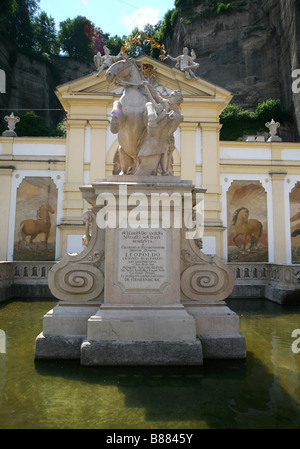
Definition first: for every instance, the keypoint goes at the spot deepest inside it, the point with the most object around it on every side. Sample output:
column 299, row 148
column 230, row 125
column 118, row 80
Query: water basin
column 262, row 391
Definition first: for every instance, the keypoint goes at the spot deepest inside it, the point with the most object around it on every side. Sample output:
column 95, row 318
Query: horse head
column 242, row 214
column 126, row 70
column 43, row 211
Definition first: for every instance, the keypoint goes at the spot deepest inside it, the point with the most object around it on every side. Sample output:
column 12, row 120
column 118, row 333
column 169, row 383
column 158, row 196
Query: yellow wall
column 199, row 156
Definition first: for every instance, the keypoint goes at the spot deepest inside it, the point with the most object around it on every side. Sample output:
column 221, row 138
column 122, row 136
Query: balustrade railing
column 279, row 276
column 31, row 272
column 285, row 276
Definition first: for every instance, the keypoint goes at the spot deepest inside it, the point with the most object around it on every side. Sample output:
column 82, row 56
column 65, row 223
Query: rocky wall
column 251, row 52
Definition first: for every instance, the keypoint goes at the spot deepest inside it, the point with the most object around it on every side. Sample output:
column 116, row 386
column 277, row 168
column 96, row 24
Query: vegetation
column 44, row 35
column 238, row 122
column 34, row 34
column 31, row 125
column 184, row 9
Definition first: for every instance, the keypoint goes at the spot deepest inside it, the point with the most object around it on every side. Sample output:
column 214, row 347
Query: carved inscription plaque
column 142, row 261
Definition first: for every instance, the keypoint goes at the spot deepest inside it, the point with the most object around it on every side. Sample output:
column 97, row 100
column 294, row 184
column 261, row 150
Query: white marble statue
column 154, row 152
column 144, row 121
column 105, row 61
column 186, row 63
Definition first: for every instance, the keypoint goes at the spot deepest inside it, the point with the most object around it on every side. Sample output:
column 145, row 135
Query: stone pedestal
column 9, row 133
column 142, row 292
column 142, row 307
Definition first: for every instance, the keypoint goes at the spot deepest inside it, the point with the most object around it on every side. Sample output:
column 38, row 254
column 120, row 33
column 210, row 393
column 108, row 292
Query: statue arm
column 173, row 59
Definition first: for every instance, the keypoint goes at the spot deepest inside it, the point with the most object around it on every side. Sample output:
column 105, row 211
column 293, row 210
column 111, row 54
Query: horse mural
column 247, row 228
column 33, row 228
column 129, row 114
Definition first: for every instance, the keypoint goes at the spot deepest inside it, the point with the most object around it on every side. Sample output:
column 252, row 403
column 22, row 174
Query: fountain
column 141, row 292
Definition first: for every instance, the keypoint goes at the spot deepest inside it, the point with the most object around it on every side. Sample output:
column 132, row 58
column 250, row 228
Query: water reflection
column 259, row 392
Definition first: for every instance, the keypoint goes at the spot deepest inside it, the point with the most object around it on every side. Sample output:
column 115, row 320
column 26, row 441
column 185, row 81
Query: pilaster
column 98, row 149
column 211, row 173
column 5, row 191
column 188, row 150
column 73, row 203
column 278, row 177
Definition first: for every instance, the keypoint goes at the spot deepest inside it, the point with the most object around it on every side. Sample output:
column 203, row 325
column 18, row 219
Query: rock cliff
column 251, row 52
column 31, row 83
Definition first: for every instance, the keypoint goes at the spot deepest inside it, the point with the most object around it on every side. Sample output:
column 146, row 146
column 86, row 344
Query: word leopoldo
column 296, row 343
column 296, row 82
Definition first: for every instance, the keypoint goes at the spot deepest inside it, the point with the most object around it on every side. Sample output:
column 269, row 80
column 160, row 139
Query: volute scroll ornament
column 204, row 278
column 79, row 278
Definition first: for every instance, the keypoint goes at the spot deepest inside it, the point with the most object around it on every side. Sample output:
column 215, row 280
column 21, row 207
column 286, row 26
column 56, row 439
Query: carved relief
column 80, row 278
column 204, row 278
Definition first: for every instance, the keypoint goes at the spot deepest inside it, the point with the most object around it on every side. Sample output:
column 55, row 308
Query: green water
column 262, row 391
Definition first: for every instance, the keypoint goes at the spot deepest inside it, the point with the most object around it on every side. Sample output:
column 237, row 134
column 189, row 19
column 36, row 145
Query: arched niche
column 294, row 200
column 247, row 222
column 35, row 219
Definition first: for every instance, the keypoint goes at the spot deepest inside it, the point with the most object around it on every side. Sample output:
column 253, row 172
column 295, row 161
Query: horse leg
column 148, row 165
column 234, row 240
column 245, row 242
column 32, row 238
column 46, row 244
column 126, row 162
column 115, row 114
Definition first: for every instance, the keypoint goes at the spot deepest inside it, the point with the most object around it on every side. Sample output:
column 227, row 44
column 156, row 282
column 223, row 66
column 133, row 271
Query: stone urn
column 273, row 127
column 11, row 123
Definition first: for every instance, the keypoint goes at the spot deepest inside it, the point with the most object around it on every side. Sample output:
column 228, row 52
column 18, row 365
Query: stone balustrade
column 250, row 279
column 31, row 272
column 24, row 279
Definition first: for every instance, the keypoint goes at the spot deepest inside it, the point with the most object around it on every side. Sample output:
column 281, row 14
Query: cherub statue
column 186, row 63
column 105, row 61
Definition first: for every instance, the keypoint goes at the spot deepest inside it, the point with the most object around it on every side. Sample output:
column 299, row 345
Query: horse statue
column 248, row 228
column 129, row 113
column 33, row 228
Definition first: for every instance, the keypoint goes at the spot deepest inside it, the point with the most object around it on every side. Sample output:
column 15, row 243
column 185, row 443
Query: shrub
column 238, row 122
column 31, row 124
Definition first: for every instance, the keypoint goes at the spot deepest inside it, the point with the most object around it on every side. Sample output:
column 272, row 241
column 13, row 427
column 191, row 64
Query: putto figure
column 105, row 61
column 186, row 63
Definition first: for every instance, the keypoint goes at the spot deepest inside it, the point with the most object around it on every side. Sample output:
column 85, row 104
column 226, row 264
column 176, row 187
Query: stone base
column 274, row 139
column 55, row 347
column 214, row 319
column 132, row 323
column 68, row 320
column 223, row 346
column 9, row 133
column 281, row 296
column 143, row 353
column 144, row 179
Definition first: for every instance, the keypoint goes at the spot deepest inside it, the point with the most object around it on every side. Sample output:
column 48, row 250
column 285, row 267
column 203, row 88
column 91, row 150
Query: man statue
column 186, row 63
column 104, row 62
column 156, row 150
